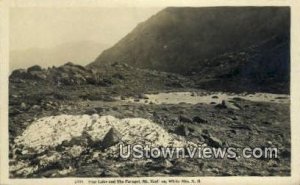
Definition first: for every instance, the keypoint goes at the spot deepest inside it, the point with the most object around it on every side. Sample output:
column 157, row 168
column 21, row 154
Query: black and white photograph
column 149, row 91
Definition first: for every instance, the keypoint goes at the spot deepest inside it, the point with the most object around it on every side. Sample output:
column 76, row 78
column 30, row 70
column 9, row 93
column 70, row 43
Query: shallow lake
column 207, row 98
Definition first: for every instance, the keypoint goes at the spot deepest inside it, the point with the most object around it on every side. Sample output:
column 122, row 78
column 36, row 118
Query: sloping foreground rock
column 54, row 130
column 51, row 141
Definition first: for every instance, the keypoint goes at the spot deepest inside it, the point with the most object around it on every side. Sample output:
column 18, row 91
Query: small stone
column 286, row 153
column 34, row 68
column 237, row 99
column 75, row 151
column 228, row 105
column 212, row 141
column 95, row 116
column 142, row 96
column 269, row 144
column 27, row 156
column 91, row 111
column 181, row 166
column 109, row 173
column 267, row 123
column 68, row 108
column 167, row 164
column 235, row 118
column 23, row 105
column 91, row 170
column 36, row 107
column 182, row 130
column 111, row 138
column 185, row 119
column 24, row 152
column 197, row 119
column 241, row 126
column 99, row 109
column 115, row 108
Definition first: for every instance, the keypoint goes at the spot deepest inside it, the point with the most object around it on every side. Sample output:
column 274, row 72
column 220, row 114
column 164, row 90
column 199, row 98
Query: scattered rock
column 99, row 109
column 111, row 138
column 75, row 151
column 91, row 111
column 23, row 106
column 235, row 118
column 118, row 76
column 34, row 68
column 175, row 84
column 233, row 131
column 215, row 97
column 115, row 108
column 105, row 82
column 281, row 98
column 245, row 127
column 181, row 166
column 36, row 107
column 92, row 170
column 237, row 99
column 285, row 153
column 185, row 119
column 159, row 165
column 267, row 123
column 182, row 130
column 38, row 75
column 18, row 73
column 108, row 98
column 228, row 105
column 27, row 156
column 212, row 141
column 197, row 119
column 166, row 163
column 142, row 96
column 109, row 173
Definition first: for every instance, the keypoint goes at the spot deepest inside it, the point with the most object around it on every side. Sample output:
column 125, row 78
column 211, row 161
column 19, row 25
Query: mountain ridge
column 154, row 41
column 81, row 52
column 184, row 40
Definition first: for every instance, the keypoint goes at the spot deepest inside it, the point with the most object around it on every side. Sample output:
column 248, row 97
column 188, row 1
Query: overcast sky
column 49, row 27
column 53, row 36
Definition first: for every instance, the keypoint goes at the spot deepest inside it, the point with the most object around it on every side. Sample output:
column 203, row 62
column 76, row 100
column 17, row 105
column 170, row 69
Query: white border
column 294, row 179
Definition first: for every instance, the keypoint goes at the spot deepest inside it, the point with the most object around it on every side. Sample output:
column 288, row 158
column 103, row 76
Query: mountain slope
column 260, row 68
column 176, row 39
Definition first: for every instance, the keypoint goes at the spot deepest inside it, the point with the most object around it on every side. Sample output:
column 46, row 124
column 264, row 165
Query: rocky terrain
column 57, row 124
column 35, row 89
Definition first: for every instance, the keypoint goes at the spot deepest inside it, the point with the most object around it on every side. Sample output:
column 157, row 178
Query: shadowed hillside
column 188, row 40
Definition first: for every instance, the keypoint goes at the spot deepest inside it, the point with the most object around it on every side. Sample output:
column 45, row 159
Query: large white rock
column 53, row 130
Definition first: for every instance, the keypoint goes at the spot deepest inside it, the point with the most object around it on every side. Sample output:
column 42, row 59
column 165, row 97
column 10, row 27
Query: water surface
column 195, row 98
